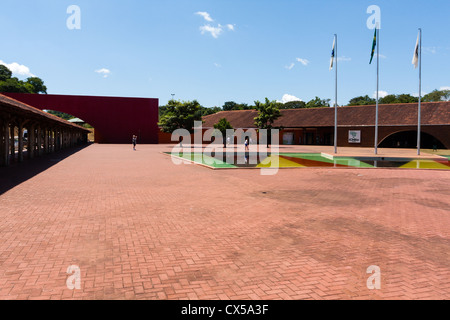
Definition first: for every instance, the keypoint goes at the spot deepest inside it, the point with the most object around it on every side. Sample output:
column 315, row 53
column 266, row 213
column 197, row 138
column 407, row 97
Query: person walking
column 246, row 144
column 134, row 141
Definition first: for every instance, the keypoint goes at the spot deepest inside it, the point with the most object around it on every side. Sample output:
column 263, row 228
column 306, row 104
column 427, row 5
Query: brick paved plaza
column 140, row 227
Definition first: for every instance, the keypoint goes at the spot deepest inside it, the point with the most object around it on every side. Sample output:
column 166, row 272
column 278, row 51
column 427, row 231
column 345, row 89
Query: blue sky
column 224, row 50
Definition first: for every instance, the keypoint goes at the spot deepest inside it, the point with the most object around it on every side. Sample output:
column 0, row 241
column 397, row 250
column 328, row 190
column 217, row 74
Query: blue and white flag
column 332, row 54
column 415, row 60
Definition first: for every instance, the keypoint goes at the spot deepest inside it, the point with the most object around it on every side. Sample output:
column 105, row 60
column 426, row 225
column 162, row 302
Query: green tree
column 61, row 115
column 389, row 99
column 5, row 73
column 222, row 126
column 180, row 115
column 37, row 85
column 437, row 95
column 14, row 85
column 318, row 103
column 406, row 98
column 8, row 83
column 268, row 112
column 207, row 111
column 229, row 105
column 399, row 98
column 162, row 110
column 244, row 106
column 362, row 101
column 293, row 105
column 202, row 111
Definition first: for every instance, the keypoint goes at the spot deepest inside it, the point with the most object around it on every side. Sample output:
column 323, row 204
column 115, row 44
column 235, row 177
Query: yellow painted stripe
column 425, row 164
column 278, row 162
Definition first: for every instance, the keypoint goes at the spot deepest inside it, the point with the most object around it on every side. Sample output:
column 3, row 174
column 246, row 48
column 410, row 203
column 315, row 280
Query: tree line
column 434, row 96
column 314, row 103
column 8, row 83
column 182, row 114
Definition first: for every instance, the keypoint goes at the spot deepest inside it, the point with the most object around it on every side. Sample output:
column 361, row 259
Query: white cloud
column 289, row 67
column 230, row 27
column 18, row 69
column 431, row 50
column 381, row 94
column 382, row 56
column 416, row 94
column 214, row 31
column 303, row 61
column 444, row 88
column 205, row 15
column 288, row 98
column 105, row 72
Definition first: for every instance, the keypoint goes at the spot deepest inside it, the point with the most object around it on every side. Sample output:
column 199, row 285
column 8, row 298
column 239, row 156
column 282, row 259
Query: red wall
column 115, row 119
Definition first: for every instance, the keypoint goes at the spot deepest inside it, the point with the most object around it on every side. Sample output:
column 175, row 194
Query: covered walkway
column 27, row 132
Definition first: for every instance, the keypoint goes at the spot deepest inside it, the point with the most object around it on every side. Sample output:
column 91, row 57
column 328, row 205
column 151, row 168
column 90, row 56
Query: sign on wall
column 354, row 136
column 288, row 138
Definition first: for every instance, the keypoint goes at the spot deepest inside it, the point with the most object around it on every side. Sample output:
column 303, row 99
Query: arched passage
column 75, row 120
column 115, row 119
column 408, row 139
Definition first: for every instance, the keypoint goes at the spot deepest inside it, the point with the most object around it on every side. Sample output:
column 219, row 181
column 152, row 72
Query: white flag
column 415, row 60
column 332, row 54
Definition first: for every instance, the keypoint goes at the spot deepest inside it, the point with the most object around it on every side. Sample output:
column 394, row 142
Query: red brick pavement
column 140, row 227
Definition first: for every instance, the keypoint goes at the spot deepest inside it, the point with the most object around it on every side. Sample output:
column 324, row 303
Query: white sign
column 354, row 137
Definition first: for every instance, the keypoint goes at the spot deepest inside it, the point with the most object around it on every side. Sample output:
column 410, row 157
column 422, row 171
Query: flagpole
column 336, row 92
column 420, row 96
column 378, row 84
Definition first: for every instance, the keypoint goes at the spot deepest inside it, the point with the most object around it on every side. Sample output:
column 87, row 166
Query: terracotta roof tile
column 433, row 113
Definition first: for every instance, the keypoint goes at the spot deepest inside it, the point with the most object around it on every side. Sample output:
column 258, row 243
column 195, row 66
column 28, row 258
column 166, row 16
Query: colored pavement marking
column 280, row 162
column 205, row 160
column 216, row 163
column 314, row 160
column 338, row 162
column 426, row 164
column 313, row 163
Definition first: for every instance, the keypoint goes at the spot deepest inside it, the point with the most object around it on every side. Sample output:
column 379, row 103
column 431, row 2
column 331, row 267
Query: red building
column 115, row 119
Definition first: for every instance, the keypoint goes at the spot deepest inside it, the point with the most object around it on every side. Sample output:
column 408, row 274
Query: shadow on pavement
column 18, row 173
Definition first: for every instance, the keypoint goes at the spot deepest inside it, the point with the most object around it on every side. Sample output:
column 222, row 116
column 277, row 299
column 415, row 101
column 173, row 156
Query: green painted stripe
column 203, row 159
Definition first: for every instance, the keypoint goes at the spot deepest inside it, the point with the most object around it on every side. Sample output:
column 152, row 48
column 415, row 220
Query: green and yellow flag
column 374, row 45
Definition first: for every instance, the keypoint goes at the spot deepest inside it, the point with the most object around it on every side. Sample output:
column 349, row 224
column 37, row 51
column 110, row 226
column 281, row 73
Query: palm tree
column 268, row 112
column 223, row 125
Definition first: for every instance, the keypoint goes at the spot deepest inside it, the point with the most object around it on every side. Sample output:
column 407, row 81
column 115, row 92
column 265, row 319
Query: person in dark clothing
column 134, row 141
